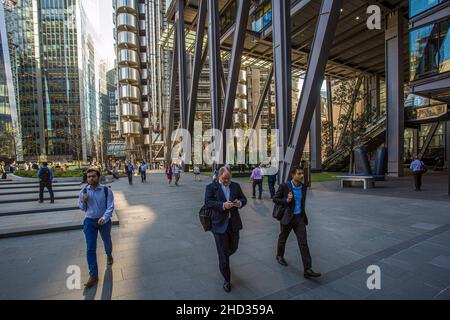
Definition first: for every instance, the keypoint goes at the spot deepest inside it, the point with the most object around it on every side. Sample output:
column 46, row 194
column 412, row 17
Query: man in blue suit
column 225, row 197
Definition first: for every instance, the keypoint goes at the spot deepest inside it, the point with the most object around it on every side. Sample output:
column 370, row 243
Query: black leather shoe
column 282, row 261
column 309, row 273
column 227, row 286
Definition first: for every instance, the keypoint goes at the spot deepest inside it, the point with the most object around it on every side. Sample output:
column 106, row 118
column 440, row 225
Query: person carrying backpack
column 97, row 201
column 143, row 171
column 129, row 168
column 418, row 168
column 45, row 175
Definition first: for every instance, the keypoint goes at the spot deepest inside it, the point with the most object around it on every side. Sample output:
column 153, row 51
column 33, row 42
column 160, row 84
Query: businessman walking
column 292, row 195
column 225, row 197
column 98, row 202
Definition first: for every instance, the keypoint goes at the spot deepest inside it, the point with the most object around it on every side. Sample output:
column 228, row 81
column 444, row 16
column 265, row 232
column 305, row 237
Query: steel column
column 375, row 94
column 198, row 64
column 235, row 63
column 262, row 98
column 320, row 49
column 428, row 139
column 394, row 92
column 171, row 113
column 415, row 142
column 330, row 113
column 315, row 135
column 351, row 110
column 282, row 65
column 448, row 153
column 180, row 38
column 214, row 61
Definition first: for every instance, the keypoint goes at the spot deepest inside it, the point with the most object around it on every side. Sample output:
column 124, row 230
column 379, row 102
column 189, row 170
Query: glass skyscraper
column 53, row 59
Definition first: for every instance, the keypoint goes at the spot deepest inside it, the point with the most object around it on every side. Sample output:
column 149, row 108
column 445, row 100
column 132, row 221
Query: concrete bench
column 368, row 181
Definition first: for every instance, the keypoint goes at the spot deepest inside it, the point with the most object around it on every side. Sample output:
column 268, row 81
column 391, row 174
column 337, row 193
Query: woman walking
column 169, row 174
column 197, row 173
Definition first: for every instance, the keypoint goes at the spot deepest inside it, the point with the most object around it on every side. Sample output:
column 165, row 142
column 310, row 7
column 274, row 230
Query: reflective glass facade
column 6, row 142
column 429, row 50
column 52, row 64
column 419, row 6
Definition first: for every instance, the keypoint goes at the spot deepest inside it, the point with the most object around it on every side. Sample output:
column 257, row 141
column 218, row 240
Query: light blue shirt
column 95, row 207
column 416, row 165
column 297, row 191
column 227, row 193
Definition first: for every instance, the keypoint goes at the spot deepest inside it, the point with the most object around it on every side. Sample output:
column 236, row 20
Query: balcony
column 130, row 92
column 131, row 111
column 129, row 75
column 132, row 128
column 128, row 57
column 130, row 6
column 127, row 22
column 127, row 39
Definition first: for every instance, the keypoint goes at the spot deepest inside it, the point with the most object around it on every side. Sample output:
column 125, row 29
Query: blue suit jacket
column 215, row 198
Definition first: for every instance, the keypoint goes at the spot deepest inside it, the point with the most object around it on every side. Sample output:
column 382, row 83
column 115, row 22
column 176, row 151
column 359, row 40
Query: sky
column 100, row 13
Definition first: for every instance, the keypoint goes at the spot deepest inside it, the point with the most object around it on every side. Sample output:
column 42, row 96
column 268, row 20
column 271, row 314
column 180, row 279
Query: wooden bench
column 368, row 181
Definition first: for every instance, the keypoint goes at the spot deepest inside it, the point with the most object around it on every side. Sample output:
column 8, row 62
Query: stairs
column 372, row 137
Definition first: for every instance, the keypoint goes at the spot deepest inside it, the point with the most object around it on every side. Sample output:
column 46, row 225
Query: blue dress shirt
column 95, row 207
column 297, row 191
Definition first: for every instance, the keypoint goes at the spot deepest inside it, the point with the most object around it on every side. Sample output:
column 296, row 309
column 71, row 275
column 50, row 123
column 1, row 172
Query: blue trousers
column 91, row 229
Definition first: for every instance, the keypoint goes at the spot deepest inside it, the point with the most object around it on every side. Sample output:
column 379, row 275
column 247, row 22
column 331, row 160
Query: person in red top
column 169, row 174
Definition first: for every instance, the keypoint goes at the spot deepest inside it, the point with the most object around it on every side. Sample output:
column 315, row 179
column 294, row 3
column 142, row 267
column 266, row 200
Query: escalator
column 372, row 138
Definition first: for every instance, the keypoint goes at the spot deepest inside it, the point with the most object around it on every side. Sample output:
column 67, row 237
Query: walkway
column 161, row 251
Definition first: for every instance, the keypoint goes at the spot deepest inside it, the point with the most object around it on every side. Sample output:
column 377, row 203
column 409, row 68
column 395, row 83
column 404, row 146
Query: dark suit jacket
column 215, row 198
column 280, row 198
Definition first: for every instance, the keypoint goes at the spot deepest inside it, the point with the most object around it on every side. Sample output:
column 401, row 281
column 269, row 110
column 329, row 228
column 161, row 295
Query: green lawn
column 324, row 176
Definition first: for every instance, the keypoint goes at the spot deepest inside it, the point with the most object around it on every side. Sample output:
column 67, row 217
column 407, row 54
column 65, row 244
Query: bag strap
column 105, row 189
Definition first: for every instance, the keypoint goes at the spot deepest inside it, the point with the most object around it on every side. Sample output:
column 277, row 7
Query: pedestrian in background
column 257, row 177
column 143, row 171
column 129, row 168
column 196, row 173
column 176, row 172
column 418, row 168
column 169, row 174
column 45, row 175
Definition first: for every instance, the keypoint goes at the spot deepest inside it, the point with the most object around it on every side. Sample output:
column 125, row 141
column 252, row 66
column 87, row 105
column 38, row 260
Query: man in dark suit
column 225, row 197
column 292, row 196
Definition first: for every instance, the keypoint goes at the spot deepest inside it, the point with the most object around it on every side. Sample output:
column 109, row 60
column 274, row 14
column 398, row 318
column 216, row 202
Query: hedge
column 57, row 173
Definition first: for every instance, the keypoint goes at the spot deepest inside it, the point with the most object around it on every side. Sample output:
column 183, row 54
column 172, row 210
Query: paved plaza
column 162, row 252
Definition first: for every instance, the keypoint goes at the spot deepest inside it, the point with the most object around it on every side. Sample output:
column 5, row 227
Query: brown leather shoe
column 91, row 282
column 110, row 260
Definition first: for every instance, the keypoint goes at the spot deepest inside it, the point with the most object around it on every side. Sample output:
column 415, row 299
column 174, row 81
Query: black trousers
column 48, row 185
column 418, row 180
column 226, row 244
column 258, row 183
column 271, row 189
column 143, row 176
column 298, row 225
column 130, row 178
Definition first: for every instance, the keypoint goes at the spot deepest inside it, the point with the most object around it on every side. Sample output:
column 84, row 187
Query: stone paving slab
column 30, row 197
column 15, row 226
column 34, row 185
column 35, row 207
column 161, row 251
column 35, row 190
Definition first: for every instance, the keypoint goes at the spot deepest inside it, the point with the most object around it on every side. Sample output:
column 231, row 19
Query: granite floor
column 161, row 251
